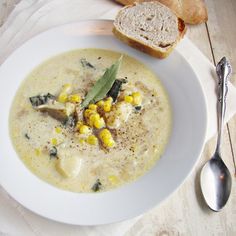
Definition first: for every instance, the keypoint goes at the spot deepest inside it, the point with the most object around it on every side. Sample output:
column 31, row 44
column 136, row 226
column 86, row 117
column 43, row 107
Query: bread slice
column 191, row 11
column 150, row 27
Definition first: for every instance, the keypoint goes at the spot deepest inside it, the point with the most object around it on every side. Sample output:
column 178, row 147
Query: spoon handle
column 223, row 70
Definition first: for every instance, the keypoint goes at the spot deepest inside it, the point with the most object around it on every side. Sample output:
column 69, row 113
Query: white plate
column 183, row 150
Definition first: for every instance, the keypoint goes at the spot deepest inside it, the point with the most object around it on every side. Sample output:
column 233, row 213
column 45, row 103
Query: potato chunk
column 69, row 167
column 119, row 114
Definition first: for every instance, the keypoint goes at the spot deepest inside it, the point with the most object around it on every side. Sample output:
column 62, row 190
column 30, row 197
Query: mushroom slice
column 57, row 110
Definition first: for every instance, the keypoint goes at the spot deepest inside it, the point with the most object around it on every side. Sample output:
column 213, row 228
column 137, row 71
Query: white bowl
column 182, row 152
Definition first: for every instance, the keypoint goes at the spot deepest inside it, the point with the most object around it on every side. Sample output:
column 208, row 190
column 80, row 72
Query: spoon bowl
column 216, row 183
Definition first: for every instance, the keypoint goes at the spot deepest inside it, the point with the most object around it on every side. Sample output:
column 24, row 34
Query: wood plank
column 222, row 31
column 199, row 36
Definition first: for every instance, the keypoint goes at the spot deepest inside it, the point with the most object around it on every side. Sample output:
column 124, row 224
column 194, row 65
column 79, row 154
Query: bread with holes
column 150, row 27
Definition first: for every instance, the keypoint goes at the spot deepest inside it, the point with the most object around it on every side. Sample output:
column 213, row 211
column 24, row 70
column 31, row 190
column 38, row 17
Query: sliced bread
column 150, row 27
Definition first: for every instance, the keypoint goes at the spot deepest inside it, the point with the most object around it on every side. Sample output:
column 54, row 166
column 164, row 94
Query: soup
column 87, row 121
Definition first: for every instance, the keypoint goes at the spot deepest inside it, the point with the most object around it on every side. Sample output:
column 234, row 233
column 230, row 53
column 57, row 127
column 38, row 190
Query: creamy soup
column 93, row 145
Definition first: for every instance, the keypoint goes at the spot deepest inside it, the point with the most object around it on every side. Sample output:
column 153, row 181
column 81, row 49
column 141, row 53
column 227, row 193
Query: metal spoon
column 215, row 177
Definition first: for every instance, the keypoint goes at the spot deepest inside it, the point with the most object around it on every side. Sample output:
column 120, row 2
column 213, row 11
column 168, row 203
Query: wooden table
column 185, row 212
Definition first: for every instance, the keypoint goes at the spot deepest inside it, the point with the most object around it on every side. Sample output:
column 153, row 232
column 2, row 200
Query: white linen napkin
column 33, row 16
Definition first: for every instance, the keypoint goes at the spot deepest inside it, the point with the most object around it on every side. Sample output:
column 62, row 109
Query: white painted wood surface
column 184, row 213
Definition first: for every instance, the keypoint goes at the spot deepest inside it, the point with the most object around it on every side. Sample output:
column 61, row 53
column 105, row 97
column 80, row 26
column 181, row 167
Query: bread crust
column 137, row 44
column 191, row 11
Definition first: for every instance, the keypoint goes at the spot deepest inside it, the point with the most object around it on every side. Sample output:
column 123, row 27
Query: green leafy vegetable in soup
column 90, row 120
column 103, row 85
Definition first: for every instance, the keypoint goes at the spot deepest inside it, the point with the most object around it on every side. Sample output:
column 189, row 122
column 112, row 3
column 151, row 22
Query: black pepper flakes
column 27, row 136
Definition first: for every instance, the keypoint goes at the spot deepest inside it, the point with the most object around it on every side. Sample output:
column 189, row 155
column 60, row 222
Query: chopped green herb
column 70, row 122
column 53, row 152
column 41, row 99
column 115, row 89
column 138, row 108
column 27, row 136
column 85, row 63
column 97, row 186
column 103, row 85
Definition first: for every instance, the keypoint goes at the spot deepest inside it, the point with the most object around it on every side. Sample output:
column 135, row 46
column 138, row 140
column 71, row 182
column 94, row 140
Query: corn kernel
column 74, row 98
column 82, row 141
column 128, row 99
column 109, row 99
column 83, row 187
column 92, row 139
column 110, row 120
column 104, row 133
column 108, row 142
column 100, row 103
column 93, row 107
column 99, row 123
column 66, row 88
column 107, row 106
column 88, row 112
column 84, row 129
column 58, row 130
column 78, row 124
column 63, row 97
column 113, row 179
column 37, row 151
column 94, row 117
column 54, row 141
column 137, row 99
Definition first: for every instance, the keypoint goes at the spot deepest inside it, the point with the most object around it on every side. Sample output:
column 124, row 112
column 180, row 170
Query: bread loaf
column 191, row 11
column 150, row 27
